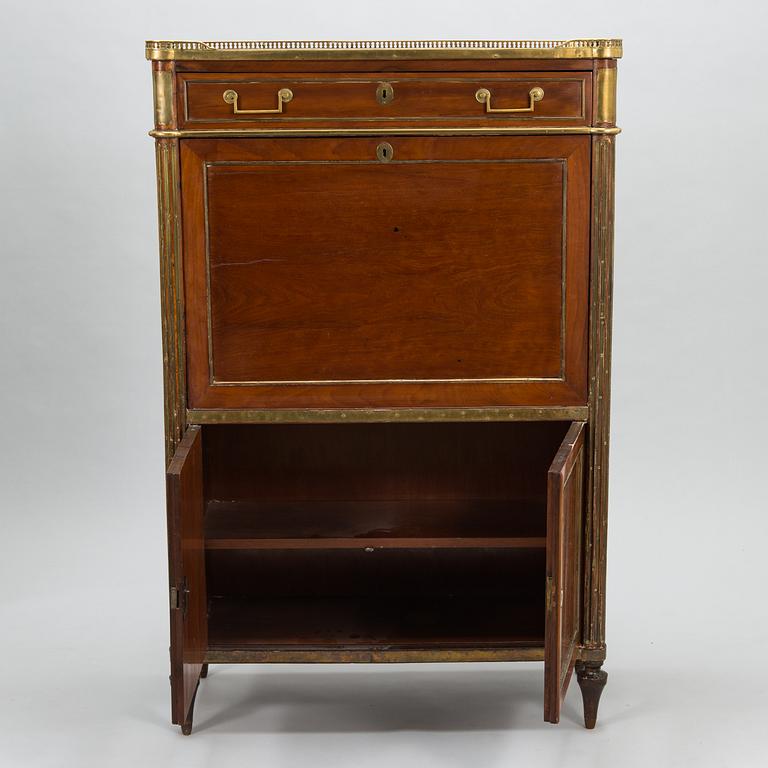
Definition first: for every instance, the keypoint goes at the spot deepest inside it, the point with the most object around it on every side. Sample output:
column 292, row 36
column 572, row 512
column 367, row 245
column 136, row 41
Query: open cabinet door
column 564, row 524
column 186, row 551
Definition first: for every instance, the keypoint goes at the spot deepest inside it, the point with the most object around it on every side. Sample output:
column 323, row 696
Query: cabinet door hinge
column 178, row 597
column 549, row 593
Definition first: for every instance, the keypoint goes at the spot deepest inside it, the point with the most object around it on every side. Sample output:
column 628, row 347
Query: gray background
column 83, row 617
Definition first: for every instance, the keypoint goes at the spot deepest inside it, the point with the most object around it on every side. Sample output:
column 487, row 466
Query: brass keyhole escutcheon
column 385, row 152
column 385, row 93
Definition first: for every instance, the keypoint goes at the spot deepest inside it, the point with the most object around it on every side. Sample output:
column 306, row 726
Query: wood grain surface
column 454, row 274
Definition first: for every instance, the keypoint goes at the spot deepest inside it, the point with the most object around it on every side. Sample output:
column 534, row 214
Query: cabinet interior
column 412, row 535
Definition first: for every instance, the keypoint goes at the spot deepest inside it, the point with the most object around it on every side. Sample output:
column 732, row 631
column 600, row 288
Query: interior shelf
column 374, row 524
column 377, row 538
column 420, row 621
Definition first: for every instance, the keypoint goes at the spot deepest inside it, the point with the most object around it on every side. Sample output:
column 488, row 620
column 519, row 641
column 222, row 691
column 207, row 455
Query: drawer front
column 365, row 272
column 540, row 98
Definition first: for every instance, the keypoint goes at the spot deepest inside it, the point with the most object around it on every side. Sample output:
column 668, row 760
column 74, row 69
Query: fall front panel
column 371, row 272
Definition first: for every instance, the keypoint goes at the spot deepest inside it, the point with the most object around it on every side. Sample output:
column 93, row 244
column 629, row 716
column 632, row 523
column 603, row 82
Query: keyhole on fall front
column 385, row 152
column 385, row 93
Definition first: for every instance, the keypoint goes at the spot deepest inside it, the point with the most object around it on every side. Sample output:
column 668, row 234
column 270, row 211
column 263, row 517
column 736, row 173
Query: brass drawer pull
column 483, row 95
column 284, row 95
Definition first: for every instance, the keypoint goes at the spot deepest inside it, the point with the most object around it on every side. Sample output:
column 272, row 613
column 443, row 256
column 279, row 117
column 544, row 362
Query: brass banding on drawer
column 556, row 98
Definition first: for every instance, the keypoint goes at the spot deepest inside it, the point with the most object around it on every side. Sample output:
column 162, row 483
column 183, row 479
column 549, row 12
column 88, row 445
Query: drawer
column 556, row 98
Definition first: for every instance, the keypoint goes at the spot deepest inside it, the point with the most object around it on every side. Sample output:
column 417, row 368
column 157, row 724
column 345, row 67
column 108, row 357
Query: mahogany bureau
column 386, row 297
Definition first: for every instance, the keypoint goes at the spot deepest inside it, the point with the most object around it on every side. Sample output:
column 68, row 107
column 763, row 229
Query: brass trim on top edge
column 368, row 415
column 189, row 50
column 383, row 131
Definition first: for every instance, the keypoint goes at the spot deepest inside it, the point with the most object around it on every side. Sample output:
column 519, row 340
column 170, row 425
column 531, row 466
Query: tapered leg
column 204, row 671
column 592, row 680
column 186, row 726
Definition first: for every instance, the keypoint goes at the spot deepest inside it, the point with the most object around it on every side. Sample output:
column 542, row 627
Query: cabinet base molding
column 372, row 657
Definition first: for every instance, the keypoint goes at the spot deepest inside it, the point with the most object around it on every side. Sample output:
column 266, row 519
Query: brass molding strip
column 383, row 415
column 223, row 133
column 320, row 656
column 190, row 50
column 214, row 382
